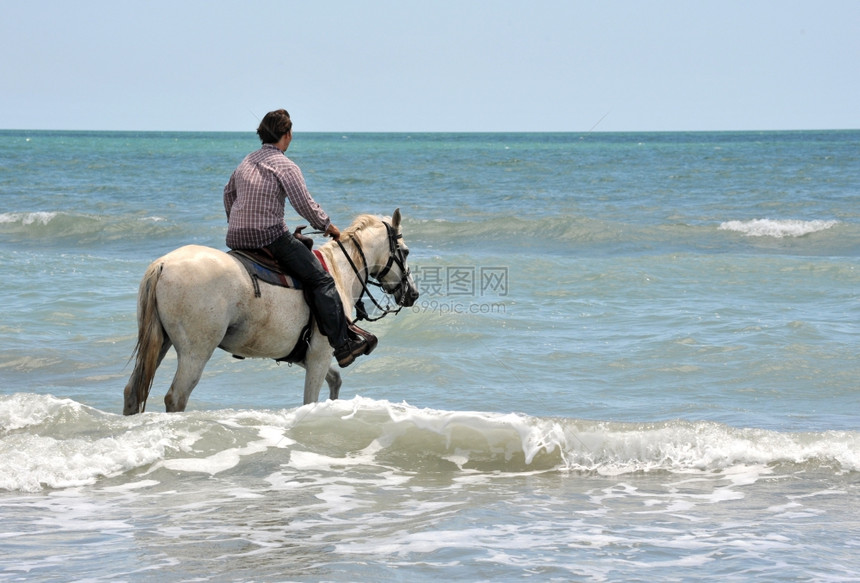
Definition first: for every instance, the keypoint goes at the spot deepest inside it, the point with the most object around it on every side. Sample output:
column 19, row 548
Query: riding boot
column 347, row 352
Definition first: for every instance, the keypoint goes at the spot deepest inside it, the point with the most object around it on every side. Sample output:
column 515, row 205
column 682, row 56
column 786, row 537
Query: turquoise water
column 635, row 356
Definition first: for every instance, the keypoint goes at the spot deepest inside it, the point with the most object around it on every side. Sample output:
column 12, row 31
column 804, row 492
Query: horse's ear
column 395, row 219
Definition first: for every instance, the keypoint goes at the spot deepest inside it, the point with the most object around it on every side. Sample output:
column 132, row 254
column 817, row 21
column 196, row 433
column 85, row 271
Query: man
column 254, row 200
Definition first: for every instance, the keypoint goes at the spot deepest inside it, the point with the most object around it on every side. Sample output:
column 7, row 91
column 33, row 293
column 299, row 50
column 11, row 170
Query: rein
column 393, row 257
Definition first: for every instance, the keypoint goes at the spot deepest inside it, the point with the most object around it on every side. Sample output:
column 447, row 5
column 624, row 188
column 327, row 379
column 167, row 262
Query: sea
column 634, row 358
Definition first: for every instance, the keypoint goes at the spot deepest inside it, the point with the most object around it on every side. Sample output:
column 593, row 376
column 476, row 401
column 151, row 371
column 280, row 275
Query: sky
column 431, row 65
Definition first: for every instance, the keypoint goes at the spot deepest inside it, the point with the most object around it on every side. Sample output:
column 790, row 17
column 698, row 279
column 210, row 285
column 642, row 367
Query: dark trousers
column 300, row 262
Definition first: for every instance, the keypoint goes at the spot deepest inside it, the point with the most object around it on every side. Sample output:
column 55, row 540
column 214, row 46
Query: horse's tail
column 150, row 341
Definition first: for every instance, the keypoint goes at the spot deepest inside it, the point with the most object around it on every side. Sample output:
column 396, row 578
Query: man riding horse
column 254, row 201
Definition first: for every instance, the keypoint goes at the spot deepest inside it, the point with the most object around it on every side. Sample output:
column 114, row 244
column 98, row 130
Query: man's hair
column 274, row 125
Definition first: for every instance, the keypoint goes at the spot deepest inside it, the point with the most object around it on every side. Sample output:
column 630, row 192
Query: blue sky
column 404, row 65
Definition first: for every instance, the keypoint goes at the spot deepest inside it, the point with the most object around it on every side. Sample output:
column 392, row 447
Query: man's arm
column 297, row 192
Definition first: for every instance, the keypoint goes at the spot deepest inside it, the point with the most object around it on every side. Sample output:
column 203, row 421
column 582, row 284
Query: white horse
column 197, row 299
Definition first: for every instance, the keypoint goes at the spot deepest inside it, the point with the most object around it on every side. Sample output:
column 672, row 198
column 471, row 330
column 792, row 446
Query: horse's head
column 394, row 275
column 380, row 252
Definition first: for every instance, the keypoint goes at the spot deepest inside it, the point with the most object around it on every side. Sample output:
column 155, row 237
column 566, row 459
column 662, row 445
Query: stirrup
column 369, row 338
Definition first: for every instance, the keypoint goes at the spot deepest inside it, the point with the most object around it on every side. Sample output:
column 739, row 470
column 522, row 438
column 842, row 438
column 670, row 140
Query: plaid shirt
column 255, row 195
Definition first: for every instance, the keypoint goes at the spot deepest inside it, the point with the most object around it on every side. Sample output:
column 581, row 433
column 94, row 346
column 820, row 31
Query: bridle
column 396, row 256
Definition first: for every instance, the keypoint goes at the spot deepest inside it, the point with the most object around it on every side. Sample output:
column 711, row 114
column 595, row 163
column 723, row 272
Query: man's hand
column 332, row 232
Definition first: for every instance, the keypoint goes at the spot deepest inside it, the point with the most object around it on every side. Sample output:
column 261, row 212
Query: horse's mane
column 361, row 222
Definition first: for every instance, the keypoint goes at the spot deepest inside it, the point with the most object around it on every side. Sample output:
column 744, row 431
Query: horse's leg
column 332, row 378
column 189, row 368
column 317, row 366
column 334, row 382
column 195, row 340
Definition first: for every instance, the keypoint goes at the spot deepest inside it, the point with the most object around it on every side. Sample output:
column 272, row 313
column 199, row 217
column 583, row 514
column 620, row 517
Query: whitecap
column 777, row 228
column 43, row 218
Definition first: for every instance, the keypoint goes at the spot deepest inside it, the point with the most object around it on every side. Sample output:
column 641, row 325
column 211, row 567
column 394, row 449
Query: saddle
column 262, row 265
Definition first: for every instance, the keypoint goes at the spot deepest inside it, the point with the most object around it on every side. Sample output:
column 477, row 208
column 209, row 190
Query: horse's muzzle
column 406, row 296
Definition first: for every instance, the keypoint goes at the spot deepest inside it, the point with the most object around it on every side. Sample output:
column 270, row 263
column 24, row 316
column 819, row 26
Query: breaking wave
column 48, row 442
